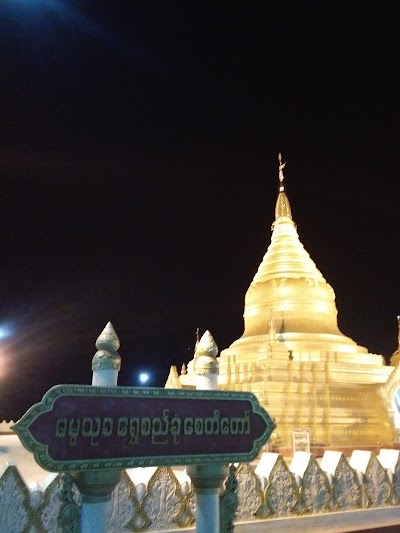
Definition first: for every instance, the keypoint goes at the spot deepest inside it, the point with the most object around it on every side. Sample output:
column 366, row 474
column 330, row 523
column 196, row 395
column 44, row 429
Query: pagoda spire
column 282, row 207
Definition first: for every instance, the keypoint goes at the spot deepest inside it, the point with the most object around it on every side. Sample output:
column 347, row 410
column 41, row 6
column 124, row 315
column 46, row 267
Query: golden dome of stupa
column 289, row 288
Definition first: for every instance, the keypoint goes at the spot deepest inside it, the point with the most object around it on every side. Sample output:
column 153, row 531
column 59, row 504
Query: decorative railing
column 161, row 499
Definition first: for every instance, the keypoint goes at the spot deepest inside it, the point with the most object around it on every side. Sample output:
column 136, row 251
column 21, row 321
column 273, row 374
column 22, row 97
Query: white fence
column 334, row 495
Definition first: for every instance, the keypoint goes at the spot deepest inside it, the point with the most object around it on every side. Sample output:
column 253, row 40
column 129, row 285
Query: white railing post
column 207, row 479
column 96, row 486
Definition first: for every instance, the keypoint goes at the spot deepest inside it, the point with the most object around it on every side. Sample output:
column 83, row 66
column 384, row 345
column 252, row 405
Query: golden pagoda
column 306, row 373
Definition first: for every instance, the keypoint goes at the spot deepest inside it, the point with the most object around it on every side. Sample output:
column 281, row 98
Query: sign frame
column 46, row 461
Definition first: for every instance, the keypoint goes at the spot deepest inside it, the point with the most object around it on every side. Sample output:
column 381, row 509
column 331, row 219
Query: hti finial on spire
column 281, row 176
column 282, row 207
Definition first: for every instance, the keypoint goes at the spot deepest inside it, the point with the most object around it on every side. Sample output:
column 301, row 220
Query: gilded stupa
column 306, row 373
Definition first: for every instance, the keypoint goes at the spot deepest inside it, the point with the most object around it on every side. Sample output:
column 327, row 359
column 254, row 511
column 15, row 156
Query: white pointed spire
column 205, row 358
column 207, row 345
column 107, row 344
column 108, row 339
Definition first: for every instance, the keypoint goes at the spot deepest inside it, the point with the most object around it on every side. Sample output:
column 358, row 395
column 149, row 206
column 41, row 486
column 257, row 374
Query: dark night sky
column 138, row 163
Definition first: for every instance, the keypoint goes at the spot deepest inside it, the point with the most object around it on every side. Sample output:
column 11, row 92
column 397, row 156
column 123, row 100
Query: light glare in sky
column 144, row 377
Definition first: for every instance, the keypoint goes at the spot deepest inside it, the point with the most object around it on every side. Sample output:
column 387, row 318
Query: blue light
column 144, row 377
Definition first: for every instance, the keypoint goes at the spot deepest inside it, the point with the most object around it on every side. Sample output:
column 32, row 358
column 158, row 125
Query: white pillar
column 206, row 365
column 207, row 479
column 94, row 514
column 105, row 378
column 97, row 486
column 207, row 382
column 207, row 510
column 106, row 362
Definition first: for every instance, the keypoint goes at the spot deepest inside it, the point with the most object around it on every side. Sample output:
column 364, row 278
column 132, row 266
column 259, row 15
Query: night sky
column 138, row 168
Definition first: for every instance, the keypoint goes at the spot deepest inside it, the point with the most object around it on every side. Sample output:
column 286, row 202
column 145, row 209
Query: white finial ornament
column 207, row 345
column 107, row 344
column 206, row 366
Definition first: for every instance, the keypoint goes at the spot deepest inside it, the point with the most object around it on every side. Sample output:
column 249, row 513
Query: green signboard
column 78, row 427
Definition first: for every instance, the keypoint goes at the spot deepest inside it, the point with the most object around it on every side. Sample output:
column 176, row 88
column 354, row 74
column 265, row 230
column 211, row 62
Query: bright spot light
column 144, row 377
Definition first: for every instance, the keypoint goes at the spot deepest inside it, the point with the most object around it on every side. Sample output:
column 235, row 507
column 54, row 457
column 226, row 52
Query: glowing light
column 144, row 377
column 5, row 331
